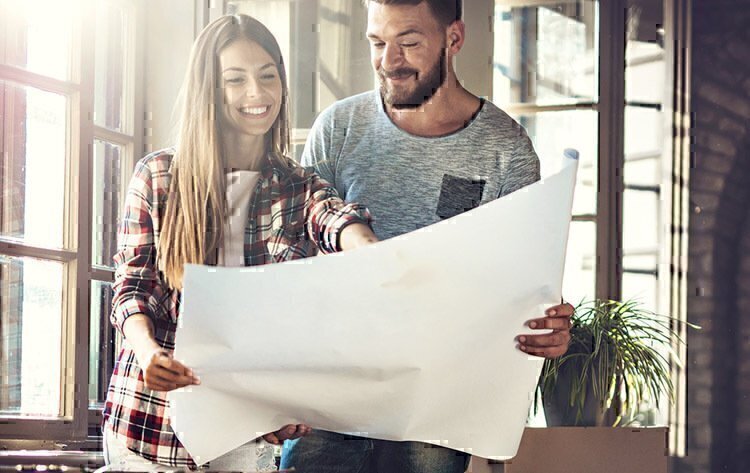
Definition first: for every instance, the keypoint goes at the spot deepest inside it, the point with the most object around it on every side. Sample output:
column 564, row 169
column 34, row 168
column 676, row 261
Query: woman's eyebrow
column 270, row 64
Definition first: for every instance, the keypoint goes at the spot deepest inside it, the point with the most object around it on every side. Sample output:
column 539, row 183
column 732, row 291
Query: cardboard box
column 590, row 450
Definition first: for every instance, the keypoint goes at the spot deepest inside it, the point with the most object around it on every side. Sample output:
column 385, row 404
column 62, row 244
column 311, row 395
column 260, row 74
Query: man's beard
column 426, row 85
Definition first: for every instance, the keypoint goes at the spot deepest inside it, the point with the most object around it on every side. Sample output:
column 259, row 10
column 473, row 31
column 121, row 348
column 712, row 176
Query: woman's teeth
column 254, row 110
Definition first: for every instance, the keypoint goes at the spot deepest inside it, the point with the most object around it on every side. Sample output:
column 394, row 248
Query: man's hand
column 161, row 372
column 288, row 432
column 553, row 344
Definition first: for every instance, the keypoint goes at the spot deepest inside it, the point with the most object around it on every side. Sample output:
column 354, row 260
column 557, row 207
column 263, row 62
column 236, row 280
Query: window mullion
column 82, row 153
column 611, row 148
column 48, row 84
column 531, row 108
column 9, row 247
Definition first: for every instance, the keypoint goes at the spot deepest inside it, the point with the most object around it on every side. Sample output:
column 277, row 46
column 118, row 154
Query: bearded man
column 393, row 150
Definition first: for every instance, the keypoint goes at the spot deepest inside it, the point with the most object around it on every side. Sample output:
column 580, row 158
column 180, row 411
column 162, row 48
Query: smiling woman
column 227, row 194
column 253, row 97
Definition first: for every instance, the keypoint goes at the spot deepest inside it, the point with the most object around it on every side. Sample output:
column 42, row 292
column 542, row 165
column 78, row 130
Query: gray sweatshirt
column 355, row 146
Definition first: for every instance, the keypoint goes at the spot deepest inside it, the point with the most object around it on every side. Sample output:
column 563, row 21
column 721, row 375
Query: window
column 41, row 259
column 560, row 69
column 68, row 129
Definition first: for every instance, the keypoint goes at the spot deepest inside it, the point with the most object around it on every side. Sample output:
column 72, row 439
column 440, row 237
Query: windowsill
column 84, row 460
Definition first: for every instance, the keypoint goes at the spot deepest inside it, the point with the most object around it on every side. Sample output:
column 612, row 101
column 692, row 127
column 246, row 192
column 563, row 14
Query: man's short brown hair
column 445, row 11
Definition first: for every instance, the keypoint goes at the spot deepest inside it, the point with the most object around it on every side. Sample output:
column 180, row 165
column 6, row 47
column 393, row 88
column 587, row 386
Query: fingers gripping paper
column 408, row 339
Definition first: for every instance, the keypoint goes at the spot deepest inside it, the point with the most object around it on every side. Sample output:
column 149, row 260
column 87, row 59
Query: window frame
column 78, row 416
column 675, row 163
column 132, row 146
column 71, row 425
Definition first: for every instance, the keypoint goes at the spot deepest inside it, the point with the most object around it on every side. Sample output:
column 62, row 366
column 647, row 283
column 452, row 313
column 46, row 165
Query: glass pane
column 32, row 168
column 101, row 341
column 545, row 54
column 30, row 336
column 112, row 35
column 106, row 202
column 641, row 221
column 552, row 133
column 297, row 151
column 640, row 280
column 644, row 132
column 579, row 280
column 640, row 287
column 643, row 170
column 644, row 53
column 40, row 35
column 324, row 46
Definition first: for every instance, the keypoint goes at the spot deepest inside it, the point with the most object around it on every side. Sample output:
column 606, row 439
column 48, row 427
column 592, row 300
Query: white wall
column 474, row 62
column 170, row 27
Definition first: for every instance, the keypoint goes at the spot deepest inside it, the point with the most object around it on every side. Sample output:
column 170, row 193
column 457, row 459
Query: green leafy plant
column 615, row 362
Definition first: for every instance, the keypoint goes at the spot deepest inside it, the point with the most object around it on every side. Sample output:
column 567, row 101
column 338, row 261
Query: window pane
column 639, row 279
column 30, row 336
column 106, row 202
column 580, row 263
column 552, row 133
column 545, row 54
column 644, row 76
column 644, row 53
column 39, row 34
column 640, row 221
column 644, row 139
column 32, row 171
column 643, row 170
column 112, row 27
column 644, row 134
column 101, row 341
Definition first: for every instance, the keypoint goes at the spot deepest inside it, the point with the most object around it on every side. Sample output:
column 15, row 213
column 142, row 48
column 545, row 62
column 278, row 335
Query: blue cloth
column 328, row 452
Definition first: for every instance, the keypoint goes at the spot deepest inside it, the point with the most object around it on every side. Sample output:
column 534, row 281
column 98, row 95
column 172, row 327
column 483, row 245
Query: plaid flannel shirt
column 296, row 215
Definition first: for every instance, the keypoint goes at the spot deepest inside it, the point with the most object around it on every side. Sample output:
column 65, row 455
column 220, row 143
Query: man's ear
column 455, row 36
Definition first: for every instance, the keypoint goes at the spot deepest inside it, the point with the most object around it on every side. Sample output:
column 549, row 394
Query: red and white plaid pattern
column 296, row 214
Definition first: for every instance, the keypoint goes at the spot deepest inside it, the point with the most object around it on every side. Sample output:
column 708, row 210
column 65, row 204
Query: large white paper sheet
column 408, row 339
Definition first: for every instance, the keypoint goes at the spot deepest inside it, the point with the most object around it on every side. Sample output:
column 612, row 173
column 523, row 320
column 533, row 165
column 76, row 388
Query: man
column 397, row 150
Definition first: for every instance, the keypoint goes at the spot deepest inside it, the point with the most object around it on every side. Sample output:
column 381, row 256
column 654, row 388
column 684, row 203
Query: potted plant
column 615, row 362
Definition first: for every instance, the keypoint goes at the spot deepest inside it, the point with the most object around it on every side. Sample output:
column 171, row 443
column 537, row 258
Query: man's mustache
column 397, row 73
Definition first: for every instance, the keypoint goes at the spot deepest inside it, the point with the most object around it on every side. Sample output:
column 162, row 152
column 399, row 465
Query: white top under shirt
column 240, row 187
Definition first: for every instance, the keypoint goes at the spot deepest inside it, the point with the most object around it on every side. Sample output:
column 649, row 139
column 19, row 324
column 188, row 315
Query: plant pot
column 559, row 412
column 556, row 399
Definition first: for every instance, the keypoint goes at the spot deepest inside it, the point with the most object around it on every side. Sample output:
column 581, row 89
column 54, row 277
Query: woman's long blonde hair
column 195, row 211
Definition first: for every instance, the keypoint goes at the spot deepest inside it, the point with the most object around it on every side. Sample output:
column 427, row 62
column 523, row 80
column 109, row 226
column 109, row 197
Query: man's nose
column 392, row 57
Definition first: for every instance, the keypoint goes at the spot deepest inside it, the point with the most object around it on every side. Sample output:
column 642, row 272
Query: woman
column 228, row 195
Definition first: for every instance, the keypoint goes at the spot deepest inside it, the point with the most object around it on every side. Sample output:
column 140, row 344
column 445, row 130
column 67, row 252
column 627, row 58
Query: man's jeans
column 328, row 452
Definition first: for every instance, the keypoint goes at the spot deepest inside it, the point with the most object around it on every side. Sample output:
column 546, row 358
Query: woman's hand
column 161, row 372
column 288, row 432
column 356, row 235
